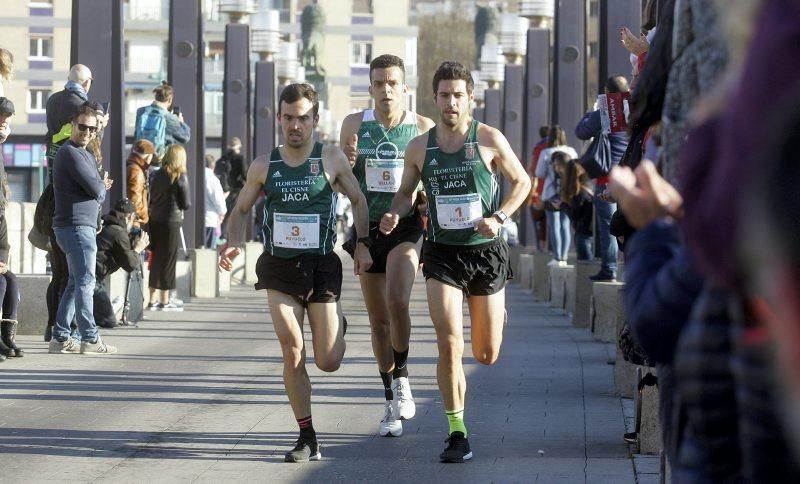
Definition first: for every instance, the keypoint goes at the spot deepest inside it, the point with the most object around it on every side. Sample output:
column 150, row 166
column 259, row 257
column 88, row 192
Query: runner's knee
column 328, row 363
column 451, row 348
column 486, row 356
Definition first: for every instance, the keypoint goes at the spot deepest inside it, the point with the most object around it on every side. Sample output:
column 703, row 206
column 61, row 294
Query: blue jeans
column 608, row 244
column 583, row 247
column 80, row 247
column 558, row 227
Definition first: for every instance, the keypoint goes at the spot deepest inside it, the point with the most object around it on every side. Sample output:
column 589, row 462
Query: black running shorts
column 311, row 278
column 409, row 229
column 478, row 270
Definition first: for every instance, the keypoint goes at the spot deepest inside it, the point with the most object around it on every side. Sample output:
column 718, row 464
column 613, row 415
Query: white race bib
column 384, row 175
column 458, row 211
column 295, row 231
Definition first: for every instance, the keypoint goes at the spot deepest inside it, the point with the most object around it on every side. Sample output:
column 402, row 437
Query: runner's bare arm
column 256, row 175
column 495, row 145
column 412, row 173
column 348, row 136
column 509, row 165
column 343, row 181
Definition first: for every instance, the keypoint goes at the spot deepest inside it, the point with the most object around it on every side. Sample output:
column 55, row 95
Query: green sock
column 456, row 420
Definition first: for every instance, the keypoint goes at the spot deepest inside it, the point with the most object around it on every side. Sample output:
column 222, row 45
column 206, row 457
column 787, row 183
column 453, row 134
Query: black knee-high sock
column 386, row 378
column 306, row 428
column 400, row 359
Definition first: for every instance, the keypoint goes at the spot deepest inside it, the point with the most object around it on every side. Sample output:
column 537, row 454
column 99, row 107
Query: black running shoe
column 304, row 451
column 457, row 449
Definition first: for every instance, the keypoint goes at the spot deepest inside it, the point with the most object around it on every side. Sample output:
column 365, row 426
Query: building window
column 145, row 59
column 144, row 10
column 41, row 47
column 37, row 100
column 362, row 53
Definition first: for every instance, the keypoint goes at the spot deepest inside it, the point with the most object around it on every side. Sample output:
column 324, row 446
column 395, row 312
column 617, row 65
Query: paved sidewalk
column 198, row 396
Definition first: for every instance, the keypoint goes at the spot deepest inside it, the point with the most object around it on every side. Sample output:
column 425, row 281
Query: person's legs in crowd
column 554, row 232
column 583, row 246
column 104, row 315
column 608, row 244
column 5, row 351
column 566, row 235
column 210, row 238
column 58, row 283
column 10, row 300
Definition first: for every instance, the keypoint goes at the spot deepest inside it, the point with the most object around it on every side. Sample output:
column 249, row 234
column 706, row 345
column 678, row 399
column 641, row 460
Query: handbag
column 39, row 240
column 597, row 158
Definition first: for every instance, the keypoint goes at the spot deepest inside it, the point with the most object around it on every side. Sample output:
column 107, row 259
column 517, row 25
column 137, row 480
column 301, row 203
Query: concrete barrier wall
column 14, row 223
column 514, row 253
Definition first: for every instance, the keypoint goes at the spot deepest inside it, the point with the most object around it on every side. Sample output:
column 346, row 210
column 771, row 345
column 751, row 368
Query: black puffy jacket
column 168, row 200
column 114, row 247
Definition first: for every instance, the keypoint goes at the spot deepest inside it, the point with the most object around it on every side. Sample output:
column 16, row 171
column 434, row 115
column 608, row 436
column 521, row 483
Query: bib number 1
column 455, row 212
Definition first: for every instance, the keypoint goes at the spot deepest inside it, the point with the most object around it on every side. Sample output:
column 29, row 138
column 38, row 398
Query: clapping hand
column 644, row 195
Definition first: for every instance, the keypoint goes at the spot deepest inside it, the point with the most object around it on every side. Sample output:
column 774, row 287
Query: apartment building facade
column 38, row 33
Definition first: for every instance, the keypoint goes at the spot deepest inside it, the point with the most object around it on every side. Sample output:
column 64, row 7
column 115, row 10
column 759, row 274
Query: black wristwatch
column 366, row 241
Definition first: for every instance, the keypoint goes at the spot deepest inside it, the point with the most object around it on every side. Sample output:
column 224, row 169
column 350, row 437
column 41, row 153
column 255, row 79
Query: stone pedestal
column 13, row 214
column 525, row 271
column 569, row 288
column 558, row 286
column 541, row 276
column 606, row 310
column 624, row 372
column 253, row 251
column 204, row 269
column 583, row 292
column 183, row 280
column 224, row 281
column 32, row 309
column 514, row 254
column 649, row 427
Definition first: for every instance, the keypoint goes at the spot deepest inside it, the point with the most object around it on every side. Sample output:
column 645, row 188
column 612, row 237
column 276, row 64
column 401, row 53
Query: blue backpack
column 151, row 124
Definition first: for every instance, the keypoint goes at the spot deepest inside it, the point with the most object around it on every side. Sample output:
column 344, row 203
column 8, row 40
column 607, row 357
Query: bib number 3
column 295, row 231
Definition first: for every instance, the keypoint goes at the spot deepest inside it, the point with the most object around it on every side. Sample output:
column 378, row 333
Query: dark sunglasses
column 84, row 127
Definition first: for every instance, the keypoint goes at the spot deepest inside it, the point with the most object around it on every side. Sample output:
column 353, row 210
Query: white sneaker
column 552, row 263
column 403, row 400
column 97, row 348
column 391, row 426
column 69, row 346
column 171, row 307
column 562, row 263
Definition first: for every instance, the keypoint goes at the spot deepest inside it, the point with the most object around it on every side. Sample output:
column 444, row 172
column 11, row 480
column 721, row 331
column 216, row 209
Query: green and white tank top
column 461, row 190
column 300, row 208
column 379, row 165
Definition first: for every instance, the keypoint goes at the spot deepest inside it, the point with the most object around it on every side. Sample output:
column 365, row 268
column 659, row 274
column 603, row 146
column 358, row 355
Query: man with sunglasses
column 78, row 191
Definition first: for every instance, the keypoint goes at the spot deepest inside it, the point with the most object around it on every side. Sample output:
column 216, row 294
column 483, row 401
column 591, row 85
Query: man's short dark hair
column 616, row 84
column 453, row 71
column 386, row 61
column 294, row 92
column 544, row 131
column 85, row 110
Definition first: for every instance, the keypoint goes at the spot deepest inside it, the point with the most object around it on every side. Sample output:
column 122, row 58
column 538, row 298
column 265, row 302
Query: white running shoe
column 391, row 426
column 553, row 263
column 403, row 400
column 562, row 263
